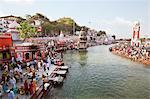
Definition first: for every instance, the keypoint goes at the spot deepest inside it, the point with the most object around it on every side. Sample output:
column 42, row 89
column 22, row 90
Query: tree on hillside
column 68, row 24
column 26, row 30
column 47, row 28
column 85, row 28
column 66, row 20
column 65, row 24
column 20, row 19
column 37, row 16
column 101, row 33
column 41, row 16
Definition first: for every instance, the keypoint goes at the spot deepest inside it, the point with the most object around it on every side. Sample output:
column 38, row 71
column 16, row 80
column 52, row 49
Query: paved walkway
column 39, row 83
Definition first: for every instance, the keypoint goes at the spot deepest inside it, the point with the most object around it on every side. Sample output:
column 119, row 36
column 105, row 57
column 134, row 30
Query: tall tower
column 82, row 40
column 135, row 41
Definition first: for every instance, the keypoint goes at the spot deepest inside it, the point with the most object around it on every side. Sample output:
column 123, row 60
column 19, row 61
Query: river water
column 98, row 74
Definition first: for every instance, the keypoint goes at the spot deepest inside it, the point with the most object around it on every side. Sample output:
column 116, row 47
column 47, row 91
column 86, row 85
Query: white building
column 13, row 30
column 37, row 24
column 5, row 21
column 9, row 24
column 4, row 24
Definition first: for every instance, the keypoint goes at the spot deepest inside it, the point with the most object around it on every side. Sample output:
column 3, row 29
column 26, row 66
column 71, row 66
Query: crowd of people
column 18, row 80
column 66, row 43
column 138, row 54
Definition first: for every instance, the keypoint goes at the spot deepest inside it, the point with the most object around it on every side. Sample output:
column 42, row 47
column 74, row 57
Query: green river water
column 98, row 74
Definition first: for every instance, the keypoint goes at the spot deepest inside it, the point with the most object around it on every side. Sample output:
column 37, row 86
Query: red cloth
column 31, row 88
column 26, row 86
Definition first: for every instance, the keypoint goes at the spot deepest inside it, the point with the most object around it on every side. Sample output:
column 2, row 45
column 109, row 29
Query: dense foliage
column 26, row 30
column 101, row 33
column 51, row 28
column 65, row 24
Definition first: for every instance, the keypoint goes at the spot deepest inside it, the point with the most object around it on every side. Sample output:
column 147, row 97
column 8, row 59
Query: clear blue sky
column 113, row 16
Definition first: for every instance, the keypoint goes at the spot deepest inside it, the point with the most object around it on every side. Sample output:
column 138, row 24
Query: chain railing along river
column 98, row 74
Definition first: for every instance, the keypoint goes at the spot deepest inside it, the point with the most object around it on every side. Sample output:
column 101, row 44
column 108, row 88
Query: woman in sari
column 31, row 88
column 26, row 86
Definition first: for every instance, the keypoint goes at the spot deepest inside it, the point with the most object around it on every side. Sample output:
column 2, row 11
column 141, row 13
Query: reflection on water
column 100, row 74
column 82, row 58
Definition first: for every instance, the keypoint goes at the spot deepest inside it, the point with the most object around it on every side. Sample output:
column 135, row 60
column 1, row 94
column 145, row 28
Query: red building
column 5, row 47
column 22, row 52
column 29, row 51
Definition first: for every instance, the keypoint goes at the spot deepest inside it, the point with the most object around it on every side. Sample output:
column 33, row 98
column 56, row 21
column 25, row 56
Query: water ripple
column 99, row 74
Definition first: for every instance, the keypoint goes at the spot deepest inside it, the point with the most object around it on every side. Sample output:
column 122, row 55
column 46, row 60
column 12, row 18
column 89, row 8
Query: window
column 27, row 56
